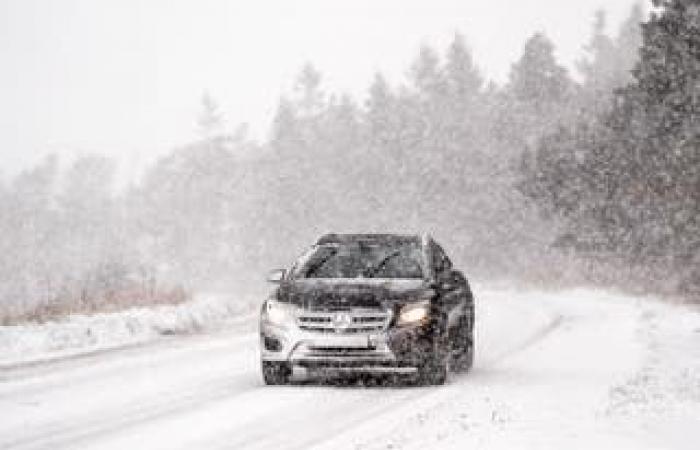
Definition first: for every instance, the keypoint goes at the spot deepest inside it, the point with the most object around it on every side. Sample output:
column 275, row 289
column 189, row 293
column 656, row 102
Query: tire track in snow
column 532, row 340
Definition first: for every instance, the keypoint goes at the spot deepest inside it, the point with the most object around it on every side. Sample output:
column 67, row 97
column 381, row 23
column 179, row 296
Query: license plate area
column 359, row 342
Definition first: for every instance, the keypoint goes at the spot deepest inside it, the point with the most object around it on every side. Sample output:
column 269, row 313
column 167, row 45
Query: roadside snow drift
column 82, row 333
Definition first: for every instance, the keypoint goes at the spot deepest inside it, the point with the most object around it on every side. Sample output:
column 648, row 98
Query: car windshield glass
column 368, row 260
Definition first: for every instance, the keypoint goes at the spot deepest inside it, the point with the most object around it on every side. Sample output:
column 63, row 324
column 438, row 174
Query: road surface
column 578, row 369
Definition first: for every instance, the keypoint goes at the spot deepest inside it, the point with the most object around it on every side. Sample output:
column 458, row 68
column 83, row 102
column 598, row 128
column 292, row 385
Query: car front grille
column 351, row 321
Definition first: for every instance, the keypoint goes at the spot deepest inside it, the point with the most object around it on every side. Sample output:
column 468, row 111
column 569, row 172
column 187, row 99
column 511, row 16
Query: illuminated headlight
column 279, row 313
column 414, row 313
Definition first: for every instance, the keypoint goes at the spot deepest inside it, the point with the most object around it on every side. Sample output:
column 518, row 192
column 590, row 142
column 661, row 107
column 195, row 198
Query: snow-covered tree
column 464, row 79
column 628, row 42
column 382, row 119
column 628, row 183
column 309, row 97
column 210, row 120
column 426, row 74
column 608, row 63
column 599, row 67
column 537, row 78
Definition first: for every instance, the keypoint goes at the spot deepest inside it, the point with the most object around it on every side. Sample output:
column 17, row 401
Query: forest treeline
column 552, row 177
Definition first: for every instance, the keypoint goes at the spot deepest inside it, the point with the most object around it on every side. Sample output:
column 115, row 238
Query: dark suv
column 369, row 303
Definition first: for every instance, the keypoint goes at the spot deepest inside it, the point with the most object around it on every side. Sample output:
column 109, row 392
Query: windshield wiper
column 371, row 271
column 311, row 270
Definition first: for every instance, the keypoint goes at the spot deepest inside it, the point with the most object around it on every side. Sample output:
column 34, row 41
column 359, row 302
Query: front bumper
column 393, row 350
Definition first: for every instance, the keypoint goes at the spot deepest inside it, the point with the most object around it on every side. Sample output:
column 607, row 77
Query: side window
column 441, row 262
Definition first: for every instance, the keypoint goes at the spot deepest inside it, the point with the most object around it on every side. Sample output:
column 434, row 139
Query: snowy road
column 580, row 369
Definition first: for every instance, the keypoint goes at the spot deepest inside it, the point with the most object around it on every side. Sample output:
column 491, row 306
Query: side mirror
column 276, row 276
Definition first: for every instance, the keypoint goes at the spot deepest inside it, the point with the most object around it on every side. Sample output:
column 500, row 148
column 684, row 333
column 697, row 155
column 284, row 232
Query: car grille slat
column 355, row 321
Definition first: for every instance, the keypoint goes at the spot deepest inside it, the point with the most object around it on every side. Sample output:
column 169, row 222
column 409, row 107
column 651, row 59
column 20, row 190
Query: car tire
column 434, row 370
column 463, row 361
column 276, row 373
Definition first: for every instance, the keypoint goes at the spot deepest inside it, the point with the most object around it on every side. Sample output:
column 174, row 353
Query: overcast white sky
column 125, row 77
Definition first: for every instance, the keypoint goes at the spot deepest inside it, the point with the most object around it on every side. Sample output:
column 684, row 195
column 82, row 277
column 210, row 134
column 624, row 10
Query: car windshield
column 362, row 260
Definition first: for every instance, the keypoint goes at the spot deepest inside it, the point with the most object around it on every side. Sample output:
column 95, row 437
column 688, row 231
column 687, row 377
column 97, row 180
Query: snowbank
column 82, row 333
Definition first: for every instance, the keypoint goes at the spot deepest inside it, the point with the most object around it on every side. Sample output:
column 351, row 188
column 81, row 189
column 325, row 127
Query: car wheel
column 276, row 373
column 434, row 370
column 463, row 359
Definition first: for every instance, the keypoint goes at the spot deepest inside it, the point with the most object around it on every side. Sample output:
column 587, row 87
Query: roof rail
column 336, row 238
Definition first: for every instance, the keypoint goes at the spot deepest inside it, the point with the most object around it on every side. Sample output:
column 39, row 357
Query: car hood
column 352, row 293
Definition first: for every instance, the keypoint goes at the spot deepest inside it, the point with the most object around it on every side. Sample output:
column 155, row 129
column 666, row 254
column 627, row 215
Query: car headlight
column 414, row 313
column 279, row 313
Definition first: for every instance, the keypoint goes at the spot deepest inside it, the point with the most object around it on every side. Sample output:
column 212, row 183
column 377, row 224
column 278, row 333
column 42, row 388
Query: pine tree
column 659, row 114
column 598, row 68
column 310, row 99
column 425, row 74
column 628, row 43
column 342, row 130
column 31, row 226
column 463, row 77
column 381, row 113
column 537, row 78
column 666, row 79
column 536, row 100
column 285, row 123
column 210, row 120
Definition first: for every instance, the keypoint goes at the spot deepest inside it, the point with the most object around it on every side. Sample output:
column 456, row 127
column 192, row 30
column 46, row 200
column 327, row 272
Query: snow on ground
column 577, row 370
column 78, row 334
column 613, row 373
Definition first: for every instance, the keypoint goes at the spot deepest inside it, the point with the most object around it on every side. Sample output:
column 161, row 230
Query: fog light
column 272, row 344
